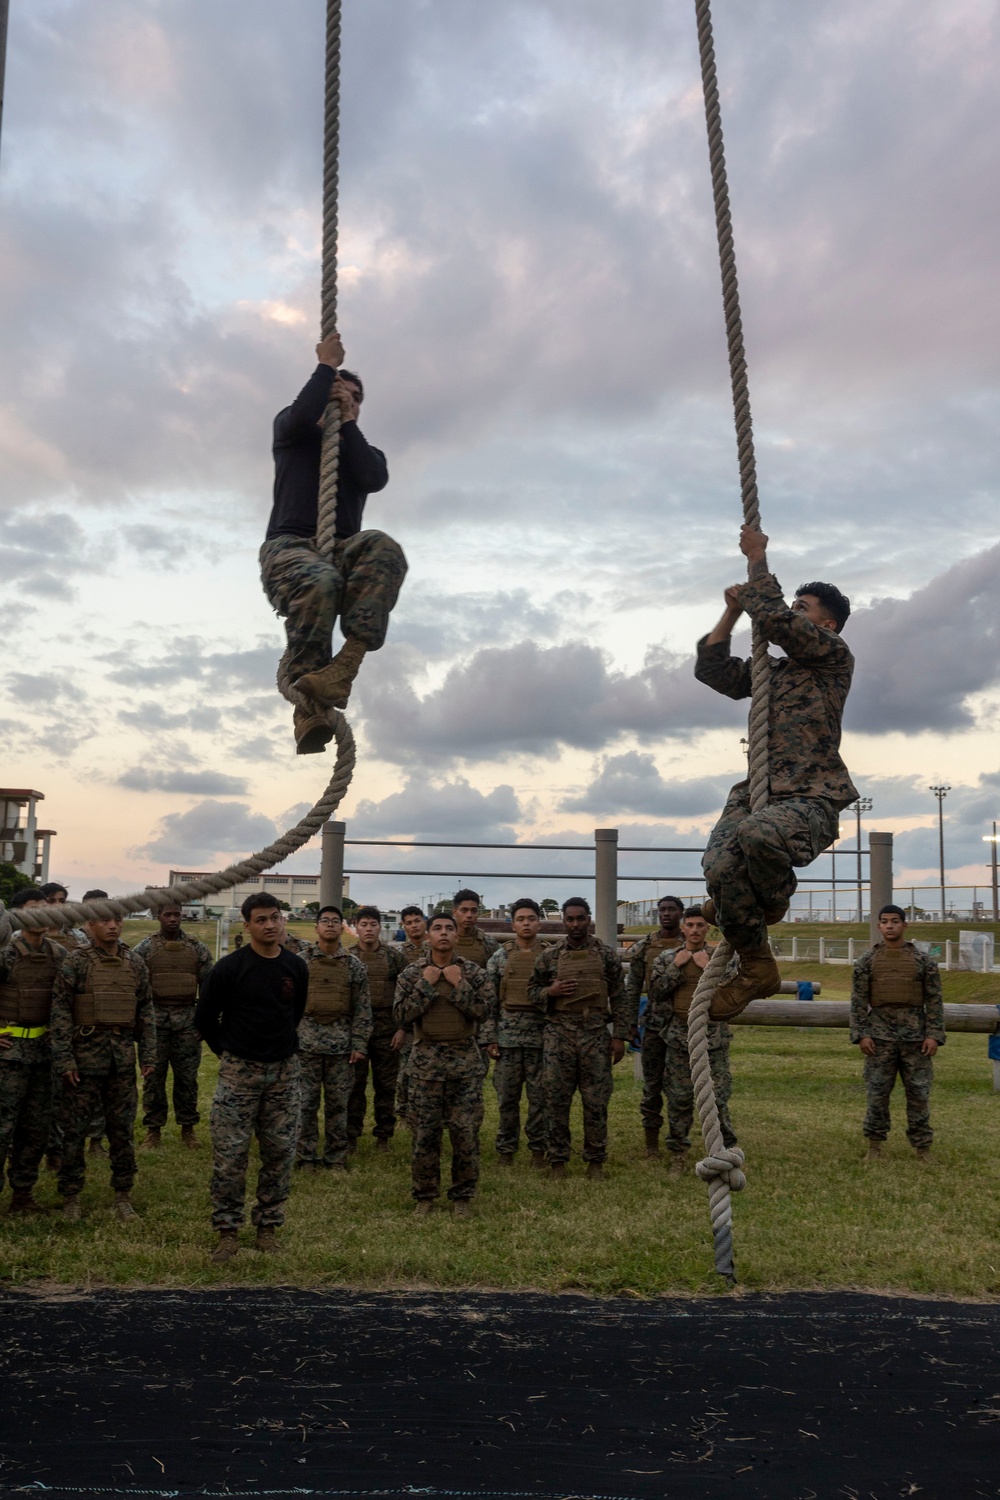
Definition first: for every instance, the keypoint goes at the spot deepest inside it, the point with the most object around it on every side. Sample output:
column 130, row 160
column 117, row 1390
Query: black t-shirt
column 298, row 446
column 251, row 1006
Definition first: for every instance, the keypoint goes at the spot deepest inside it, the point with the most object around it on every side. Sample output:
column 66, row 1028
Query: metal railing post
column 331, row 865
column 880, row 877
column 606, row 885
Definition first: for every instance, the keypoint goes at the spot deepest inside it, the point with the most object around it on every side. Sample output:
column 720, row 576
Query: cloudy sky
column 529, row 286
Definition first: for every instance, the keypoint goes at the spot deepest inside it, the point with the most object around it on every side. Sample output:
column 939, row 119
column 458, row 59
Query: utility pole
column 833, row 877
column 863, row 805
column 941, row 793
column 4, row 7
column 992, row 840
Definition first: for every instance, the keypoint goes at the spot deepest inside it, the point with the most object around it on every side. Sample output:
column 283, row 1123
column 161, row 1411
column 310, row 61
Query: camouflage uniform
column 178, row 1044
column 104, row 1057
column 361, row 585
column 750, row 856
column 898, row 1031
column 671, row 990
column 253, row 1097
column 381, row 1059
column 520, row 1029
column 477, row 947
column 446, row 1074
column 641, row 958
column 577, row 1048
column 413, row 953
column 325, row 1047
column 72, row 939
column 26, row 1066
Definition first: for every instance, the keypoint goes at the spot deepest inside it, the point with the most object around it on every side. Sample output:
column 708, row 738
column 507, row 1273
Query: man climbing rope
column 360, row 582
column 750, row 856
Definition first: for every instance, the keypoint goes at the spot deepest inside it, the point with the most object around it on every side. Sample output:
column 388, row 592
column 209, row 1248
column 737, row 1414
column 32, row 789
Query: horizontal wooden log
column 837, row 1013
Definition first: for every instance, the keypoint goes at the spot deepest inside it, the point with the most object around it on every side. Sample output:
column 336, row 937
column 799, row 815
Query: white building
column 297, row 890
column 22, row 842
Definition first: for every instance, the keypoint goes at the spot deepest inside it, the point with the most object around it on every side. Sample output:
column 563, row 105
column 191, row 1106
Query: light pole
column 863, row 805
column 833, row 877
column 4, row 7
column 991, row 839
column 941, row 793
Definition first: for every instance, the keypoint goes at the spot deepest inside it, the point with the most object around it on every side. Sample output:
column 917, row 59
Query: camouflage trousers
column 384, row 1066
column 253, row 1097
column 680, row 1088
column 403, row 1081
column 654, row 1063
column 115, row 1094
column 25, row 1118
column 917, row 1074
column 749, row 861
column 327, row 1080
column 519, row 1069
column 361, row 584
column 178, row 1046
column 446, row 1093
column 95, row 1130
column 576, row 1055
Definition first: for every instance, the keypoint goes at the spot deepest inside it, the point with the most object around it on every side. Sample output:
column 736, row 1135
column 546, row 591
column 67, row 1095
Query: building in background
column 22, row 842
column 297, row 890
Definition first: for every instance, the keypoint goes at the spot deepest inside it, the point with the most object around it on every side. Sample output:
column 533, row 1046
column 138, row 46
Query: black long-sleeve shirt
column 251, row 1006
column 298, row 445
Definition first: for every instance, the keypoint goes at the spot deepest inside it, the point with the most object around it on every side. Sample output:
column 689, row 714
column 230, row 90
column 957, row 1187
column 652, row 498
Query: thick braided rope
column 722, row 1167
column 154, row 899
column 326, row 524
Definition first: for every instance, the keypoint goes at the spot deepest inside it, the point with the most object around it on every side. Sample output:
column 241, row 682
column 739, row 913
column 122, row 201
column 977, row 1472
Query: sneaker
column 227, row 1248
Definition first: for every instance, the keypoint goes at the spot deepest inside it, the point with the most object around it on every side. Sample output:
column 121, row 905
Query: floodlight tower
column 859, row 808
column 941, row 793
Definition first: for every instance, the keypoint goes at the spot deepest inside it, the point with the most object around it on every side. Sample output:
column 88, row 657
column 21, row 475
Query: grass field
column 813, row 1215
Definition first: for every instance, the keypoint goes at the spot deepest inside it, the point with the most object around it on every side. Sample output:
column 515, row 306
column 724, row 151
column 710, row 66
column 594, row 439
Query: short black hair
column 694, row 911
column 354, row 379
column 330, row 907
column 526, row 901
column 95, row 895
column 576, row 901
column 368, row 911
column 677, row 901
column 442, row 916
column 169, row 906
column 893, row 911
column 24, row 895
column 461, row 896
column 838, row 605
column 411, row 911
column 259, row 901
column 52, row 888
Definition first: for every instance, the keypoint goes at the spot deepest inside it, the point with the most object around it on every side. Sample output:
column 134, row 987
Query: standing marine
column 641, row 958
column 177, row 965
column 520, row 1030
column 333, row 1039
column 383, row 965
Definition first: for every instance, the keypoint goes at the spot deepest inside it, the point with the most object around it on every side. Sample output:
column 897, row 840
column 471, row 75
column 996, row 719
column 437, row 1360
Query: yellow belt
column 23, row 1033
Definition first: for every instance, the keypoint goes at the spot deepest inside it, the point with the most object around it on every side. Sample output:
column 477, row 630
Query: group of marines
column 422, row 1018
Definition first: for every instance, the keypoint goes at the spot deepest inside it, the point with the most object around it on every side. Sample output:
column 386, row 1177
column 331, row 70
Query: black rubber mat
column 297, row 1393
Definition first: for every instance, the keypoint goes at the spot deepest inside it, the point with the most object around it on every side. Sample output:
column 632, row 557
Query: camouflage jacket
column 383, row 1021
column 413, row 953
column 809, row 687
column 27, row 1050
column 635, row 975
column 101, row 1050
column 489, row 942
column 623, row 1013
column 474, row 997
column 897, row 1023
column 514, row 1028
column 205, row 962
column 348, row 1033
column 663, row 981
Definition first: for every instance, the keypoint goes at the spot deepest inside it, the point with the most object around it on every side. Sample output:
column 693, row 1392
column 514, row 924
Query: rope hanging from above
column 722, row 1167
column 55, row 917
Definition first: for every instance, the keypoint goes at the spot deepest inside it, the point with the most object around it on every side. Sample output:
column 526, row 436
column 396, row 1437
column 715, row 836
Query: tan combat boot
column 678, row 1164
column 423, row 1207
column 505, row 1159
column 123, row 1207
column 331, row 685
column 558, row 1170
column 538, row 1160
column 23, row 1203
column 313, row 731
column 874, row 1151
column 924, row 1154
column 775, row 914
column 189, row 1139
column 461, row 1208
column 595, row 1171
column 152, row 1140
column 267, row 1240
column 227, row 1248
column 708, row 911
column 71, row 1210
column 652, row 1142
column 757, row 977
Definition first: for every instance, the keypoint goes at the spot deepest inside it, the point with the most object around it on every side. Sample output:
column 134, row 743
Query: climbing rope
column 70, row 914
column 722, row 1166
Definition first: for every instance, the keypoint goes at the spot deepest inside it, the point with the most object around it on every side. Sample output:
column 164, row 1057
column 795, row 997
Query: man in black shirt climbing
column 250, row 1007
column 361, row 581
